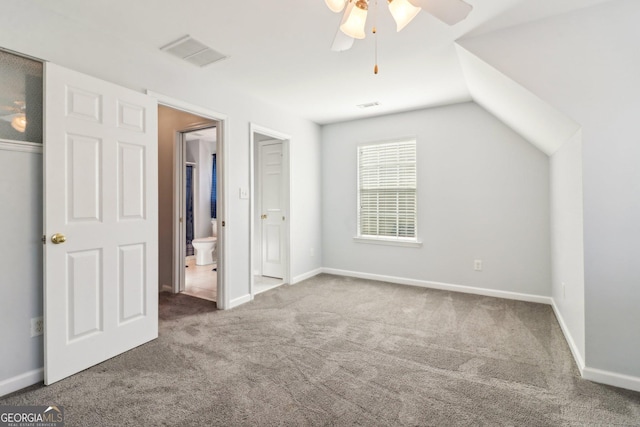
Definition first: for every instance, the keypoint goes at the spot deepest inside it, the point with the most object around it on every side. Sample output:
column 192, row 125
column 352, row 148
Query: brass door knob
column 58, row 238
column 264, row 216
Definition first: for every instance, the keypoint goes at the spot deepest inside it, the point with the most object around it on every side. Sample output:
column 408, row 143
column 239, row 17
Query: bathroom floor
column 200, row 280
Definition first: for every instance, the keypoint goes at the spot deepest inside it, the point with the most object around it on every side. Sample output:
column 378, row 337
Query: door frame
column 222, row 299
column 255, row 198
column 179, row 238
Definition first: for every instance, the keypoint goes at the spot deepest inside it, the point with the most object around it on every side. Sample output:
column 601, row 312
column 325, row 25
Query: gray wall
column 20, row 263
column 586, row 64
column 483, row 194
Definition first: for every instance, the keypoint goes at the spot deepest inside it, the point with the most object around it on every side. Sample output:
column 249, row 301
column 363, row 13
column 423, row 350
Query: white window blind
column 387, row 191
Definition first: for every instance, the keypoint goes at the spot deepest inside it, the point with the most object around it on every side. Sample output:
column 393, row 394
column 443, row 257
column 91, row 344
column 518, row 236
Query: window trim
column 408, row 243
column 386, row 240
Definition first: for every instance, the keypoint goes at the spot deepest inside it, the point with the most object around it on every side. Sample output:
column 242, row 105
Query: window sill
column 388, row 242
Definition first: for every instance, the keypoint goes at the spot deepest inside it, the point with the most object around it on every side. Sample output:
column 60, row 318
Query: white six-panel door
column 273, row 212
column 101, row 285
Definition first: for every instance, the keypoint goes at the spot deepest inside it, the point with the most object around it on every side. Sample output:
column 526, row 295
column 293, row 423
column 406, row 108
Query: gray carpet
column 339, row 351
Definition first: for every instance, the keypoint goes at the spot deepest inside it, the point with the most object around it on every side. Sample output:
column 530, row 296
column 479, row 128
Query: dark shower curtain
column 214, row 190
column 189, row 209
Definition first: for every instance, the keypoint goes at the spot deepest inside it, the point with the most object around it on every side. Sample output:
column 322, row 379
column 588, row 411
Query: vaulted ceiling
column 278, row 51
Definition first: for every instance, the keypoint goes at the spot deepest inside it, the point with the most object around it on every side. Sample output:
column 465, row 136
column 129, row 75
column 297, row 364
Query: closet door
column 273, row 216
column 101, row 232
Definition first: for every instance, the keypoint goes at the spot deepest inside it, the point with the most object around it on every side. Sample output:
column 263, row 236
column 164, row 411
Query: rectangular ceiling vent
column 191, row 50
column 368, row 105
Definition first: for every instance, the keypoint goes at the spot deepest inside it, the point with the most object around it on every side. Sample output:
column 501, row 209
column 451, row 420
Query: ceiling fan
column 16, row 116
column 403, row 11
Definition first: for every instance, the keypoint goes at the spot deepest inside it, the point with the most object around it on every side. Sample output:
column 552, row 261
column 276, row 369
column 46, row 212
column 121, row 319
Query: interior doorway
column 270, row 207
column 198, row 214
column 195, row 123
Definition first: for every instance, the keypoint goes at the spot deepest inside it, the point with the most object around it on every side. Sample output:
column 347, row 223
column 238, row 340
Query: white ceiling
column 208, row 134
column 279, row 50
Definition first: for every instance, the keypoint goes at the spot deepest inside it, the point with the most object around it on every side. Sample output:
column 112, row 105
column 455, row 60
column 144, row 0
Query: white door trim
column 253, row 201
column 180, row 165
column 222, row 153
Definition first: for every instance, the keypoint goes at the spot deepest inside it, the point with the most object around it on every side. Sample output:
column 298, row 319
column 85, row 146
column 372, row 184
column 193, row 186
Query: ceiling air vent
column 368, row 105
column 193, row 51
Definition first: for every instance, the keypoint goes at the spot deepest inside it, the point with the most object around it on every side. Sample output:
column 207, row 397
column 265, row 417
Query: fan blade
column 448, row 11
column 341, row 42
column 9, row 117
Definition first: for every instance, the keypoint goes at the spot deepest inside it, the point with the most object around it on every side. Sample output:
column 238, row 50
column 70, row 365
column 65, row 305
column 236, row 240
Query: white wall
column 483, row 194
column 21, row 267
column 587, row 64
column 567, row 243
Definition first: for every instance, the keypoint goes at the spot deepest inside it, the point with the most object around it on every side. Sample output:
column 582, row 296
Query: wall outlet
column 312, row 252
column 244, row 193
column 37, row 326
column 477, row 265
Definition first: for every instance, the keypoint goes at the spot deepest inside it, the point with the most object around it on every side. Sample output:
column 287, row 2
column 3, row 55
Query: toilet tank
column 214, row 228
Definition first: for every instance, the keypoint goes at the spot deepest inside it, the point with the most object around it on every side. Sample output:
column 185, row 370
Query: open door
column 100, row 221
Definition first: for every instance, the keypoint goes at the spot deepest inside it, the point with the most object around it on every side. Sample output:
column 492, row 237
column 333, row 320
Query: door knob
column 264, row 216
column 58, row 238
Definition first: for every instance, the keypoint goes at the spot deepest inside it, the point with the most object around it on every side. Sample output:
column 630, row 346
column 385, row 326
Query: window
column 387, row 191
column 20, row 98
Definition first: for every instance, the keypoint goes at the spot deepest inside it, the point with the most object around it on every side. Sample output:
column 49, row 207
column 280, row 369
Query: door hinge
column 44, row 239
column 223, row 223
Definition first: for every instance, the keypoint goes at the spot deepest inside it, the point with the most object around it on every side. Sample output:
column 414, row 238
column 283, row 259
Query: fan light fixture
column 403, row 12
column 356, row 18
column 19, row 122
column 335, row 5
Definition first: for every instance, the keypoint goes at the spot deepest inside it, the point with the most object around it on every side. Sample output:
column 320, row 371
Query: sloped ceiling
column 534, row 119
column 279, row 51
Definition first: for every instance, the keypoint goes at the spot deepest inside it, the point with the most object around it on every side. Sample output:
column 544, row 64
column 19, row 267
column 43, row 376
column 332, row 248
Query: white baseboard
column 307, row 275
column 166, row 288
column 239, row 301
column 443, row 286
column 21, row 381
column 611, row 378
column 577, row 356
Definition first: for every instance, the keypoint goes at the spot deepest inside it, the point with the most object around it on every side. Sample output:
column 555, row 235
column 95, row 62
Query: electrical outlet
column 37, row 326
column 244, row 193
column 477, row 265
column 312, row 252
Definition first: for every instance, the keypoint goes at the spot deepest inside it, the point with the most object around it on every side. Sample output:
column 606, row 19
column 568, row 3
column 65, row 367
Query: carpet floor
column 335, row 351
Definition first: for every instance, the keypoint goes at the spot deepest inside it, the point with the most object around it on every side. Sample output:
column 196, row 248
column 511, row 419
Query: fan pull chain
column 375, row 37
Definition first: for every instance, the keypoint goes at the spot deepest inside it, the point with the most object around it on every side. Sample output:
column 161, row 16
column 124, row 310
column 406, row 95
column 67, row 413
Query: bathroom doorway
column 175, row 119
column 199, row 227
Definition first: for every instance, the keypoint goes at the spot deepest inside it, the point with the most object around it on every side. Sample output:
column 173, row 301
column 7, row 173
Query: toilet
column 206, row 246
